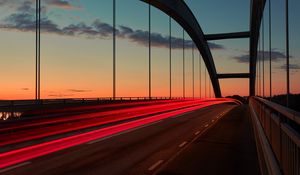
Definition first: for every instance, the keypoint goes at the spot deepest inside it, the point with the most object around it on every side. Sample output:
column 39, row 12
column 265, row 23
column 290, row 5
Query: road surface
column 141, row 150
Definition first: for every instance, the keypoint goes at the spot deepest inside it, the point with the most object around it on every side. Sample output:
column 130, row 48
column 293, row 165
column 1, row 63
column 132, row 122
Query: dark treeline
column 294, row 101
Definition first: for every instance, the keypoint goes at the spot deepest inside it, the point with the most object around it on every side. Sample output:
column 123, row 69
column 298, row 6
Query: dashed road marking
column 155, row 165
column 15, row 166
column 196, row 133
column 182, row 144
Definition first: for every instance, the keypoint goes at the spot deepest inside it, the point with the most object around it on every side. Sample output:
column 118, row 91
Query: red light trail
column 23, row 154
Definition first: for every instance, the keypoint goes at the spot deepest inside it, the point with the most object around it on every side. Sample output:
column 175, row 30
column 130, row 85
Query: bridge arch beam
column 182, row 14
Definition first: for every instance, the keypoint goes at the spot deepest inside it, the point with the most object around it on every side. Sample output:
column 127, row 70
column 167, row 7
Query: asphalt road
column 142, row 150
column 226, row 149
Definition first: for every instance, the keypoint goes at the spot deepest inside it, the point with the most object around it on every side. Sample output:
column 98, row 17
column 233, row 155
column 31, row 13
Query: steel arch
column 182, row 14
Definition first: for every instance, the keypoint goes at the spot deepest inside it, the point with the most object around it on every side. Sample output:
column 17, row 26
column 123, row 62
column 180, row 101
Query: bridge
column 160, row 87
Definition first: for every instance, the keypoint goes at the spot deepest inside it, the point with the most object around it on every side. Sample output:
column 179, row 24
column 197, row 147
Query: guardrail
column 277, row 137
column 14, row 108
column 5, row 103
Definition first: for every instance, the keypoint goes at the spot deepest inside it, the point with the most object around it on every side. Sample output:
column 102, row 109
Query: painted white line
column 155, row 165
column 15, row 166
column 196, row 133
column 206, row 125
column 182, row 144
column 130, row 130
column 186, row 147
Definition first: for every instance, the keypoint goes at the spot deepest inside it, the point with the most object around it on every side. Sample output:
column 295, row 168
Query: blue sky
column 76, row 27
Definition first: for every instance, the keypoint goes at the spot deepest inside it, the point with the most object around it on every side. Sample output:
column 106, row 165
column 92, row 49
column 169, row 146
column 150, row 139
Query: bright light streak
column 81, row 122
column 30, row 152
column 63, row 119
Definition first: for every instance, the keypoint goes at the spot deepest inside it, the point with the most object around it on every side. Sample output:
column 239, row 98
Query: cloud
column 104, row 29
column 276, row 56
column 63, row 4
column 3, row 2
column 26, row 7
column 24, row 89
column 291, row 66
column 79, row 90
column 157, row 40
column 24, row 20
column 60, row 95
column 8, row 3
column 215, row 46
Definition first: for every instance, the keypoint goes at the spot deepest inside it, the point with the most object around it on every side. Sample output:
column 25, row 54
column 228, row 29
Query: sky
column 76, row 48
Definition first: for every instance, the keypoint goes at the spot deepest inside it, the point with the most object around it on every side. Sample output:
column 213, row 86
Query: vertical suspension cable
column 270, row 49
column 205, row 83
column 36, row 49
column 149, row 37
column 209, row 88
column 263, row 57
column 39, row 55
column 170, row 54
column 114, row 49
column 193, row 69
column 183, row 63
column 200, row 74
column 287, row 52
column 259, row 73
column 256, row 80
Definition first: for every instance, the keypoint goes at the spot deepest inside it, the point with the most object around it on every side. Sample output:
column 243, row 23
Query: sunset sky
column 76, row 48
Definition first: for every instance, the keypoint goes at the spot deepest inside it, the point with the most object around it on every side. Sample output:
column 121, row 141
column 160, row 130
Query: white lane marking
column 182, row 144
column 196, row 133
column 186, row 147
column 124, row 132
column 155, row 165
column 14, row 166
column 206, row 125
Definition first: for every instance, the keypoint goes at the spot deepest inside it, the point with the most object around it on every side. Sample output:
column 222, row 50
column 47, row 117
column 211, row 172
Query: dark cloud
column 291, row 66
column 79, row 90
column 24, row 20
column 20, row 21
column 276, row 56
column 104, row 29
column 215, row 46
column 157, row 40
column 3, row 2
column 26, row 7
column 9, row 3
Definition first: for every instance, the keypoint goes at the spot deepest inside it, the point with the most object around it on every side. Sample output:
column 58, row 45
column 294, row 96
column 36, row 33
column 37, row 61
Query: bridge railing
column 7, row 103
column 277, row 137
column 14, row 108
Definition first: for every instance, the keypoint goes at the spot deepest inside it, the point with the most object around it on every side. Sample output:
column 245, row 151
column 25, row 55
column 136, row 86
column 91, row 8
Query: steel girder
column 257, row 9
column 181, row 13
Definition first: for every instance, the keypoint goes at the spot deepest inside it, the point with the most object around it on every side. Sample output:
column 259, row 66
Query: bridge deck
column 227, row 148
